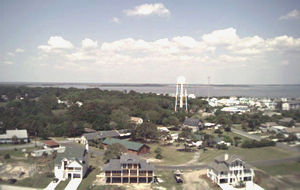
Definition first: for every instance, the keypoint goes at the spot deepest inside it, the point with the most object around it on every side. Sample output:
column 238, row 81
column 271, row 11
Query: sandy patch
column 194, row 181
column 17, row 171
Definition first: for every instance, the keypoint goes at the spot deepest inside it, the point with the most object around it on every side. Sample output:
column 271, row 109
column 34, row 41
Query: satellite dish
column 180, row 80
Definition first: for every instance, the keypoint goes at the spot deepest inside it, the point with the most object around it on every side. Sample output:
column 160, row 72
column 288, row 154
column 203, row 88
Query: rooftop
column 115, row 164
column 72, row 152
column 19, row 133
column 128, row 144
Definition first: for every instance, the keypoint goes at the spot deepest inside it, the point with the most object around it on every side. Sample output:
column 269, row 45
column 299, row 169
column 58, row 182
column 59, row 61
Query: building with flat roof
column 128, row 169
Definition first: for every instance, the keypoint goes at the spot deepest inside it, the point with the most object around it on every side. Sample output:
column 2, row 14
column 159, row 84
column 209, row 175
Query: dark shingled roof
column 128, row 144
column 192, row 122
column 101, row 134
column 72, row 152
column 115, row 164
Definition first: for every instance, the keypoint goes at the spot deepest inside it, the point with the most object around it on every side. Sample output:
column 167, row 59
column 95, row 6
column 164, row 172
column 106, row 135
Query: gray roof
column 220, row 164
column 101, row 134
column 115, row 164
column 72, row 152
column 286, row 120
column 21, row 134
column 192, row 122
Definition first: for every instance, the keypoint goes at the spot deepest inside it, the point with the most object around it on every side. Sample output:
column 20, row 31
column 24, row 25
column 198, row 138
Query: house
column 265, row 127
column 293, row 130
column 128, row 169
column 73, row 163
column 50, row 144
column 88, row 137
column 136, row 120
column 291, row 105
column 50, row 147
column 229, row 169
column 14, row 135
column 132, row 147
column 285, row 121
column 278, row 129
column 194, row 124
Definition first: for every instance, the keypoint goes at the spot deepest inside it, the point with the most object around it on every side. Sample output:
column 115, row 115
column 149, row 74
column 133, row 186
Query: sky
column 134, row 41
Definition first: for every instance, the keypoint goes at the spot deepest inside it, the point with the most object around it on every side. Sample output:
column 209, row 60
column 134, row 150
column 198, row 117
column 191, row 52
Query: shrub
column 11, row 181
column 222, row 147
column 256, row 144
column 7, row 156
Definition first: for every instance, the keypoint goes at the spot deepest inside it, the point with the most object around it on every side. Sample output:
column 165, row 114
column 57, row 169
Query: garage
column 76, row 176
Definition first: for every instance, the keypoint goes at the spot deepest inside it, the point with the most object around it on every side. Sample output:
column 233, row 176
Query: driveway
column 245, row 134
column 73, row 184
column 52, row 185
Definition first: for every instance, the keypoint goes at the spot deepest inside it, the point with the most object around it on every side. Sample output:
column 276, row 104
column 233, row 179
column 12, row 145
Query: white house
column 136, row 120
column 229, row 169
column 20, row 134
column 291, row 105
column 73, row 163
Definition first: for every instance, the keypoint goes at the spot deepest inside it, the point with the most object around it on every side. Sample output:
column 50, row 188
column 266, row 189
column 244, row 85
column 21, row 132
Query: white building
column 291, row 105
column 136, row 120
column 229, row 169
column 19, row 135
column 73, row 163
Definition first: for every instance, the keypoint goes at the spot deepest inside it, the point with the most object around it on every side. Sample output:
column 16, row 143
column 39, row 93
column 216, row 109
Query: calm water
column 291, row 91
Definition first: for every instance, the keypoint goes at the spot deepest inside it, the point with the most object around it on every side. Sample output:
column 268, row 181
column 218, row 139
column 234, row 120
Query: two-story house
column 73, row 163
column 229, row 169
column 128, row 169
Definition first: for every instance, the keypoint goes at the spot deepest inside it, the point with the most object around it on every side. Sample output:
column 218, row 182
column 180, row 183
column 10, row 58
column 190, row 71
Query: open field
column 282, row 169
column 170, row 155
column 250, row 154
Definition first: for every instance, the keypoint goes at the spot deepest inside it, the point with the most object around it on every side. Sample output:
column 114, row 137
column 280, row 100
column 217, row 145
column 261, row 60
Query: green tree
column 114, row 151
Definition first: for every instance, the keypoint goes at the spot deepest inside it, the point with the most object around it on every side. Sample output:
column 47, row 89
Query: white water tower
column 181, row 93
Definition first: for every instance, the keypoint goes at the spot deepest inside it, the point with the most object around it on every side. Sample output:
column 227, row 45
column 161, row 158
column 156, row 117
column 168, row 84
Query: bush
column 7, row 156
column 256, row 144
column 222, row 147
column 50, row 174
column 11, row 181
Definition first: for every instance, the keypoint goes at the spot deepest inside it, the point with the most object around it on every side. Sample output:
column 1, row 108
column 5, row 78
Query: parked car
column 178, row 176
column 55, row 180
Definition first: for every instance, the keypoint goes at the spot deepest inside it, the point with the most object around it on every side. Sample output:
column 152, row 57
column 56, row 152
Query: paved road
column 245, row 134
column 10, row 147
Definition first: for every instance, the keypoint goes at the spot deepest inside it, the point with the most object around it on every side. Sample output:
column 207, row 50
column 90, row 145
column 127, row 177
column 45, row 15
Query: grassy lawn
column 15, row 153
column 251, row 154
column 282, row 169
column 62, row 185
column 170, row 154
column 168, row 181
column 3, row 104
column 36, row 181
column 59, row 112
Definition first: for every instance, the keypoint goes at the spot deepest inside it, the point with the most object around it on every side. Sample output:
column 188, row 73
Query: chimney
column 226, row 156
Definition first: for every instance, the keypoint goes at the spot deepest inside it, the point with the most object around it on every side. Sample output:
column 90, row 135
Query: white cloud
column 56, row 43
column 148, row 9
column 19, row 50
column 11, row 54
column 221, row 37
column 88, row 43
column 294, row 14
column 8, row 62
column 115, row 20
column 219, row 49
